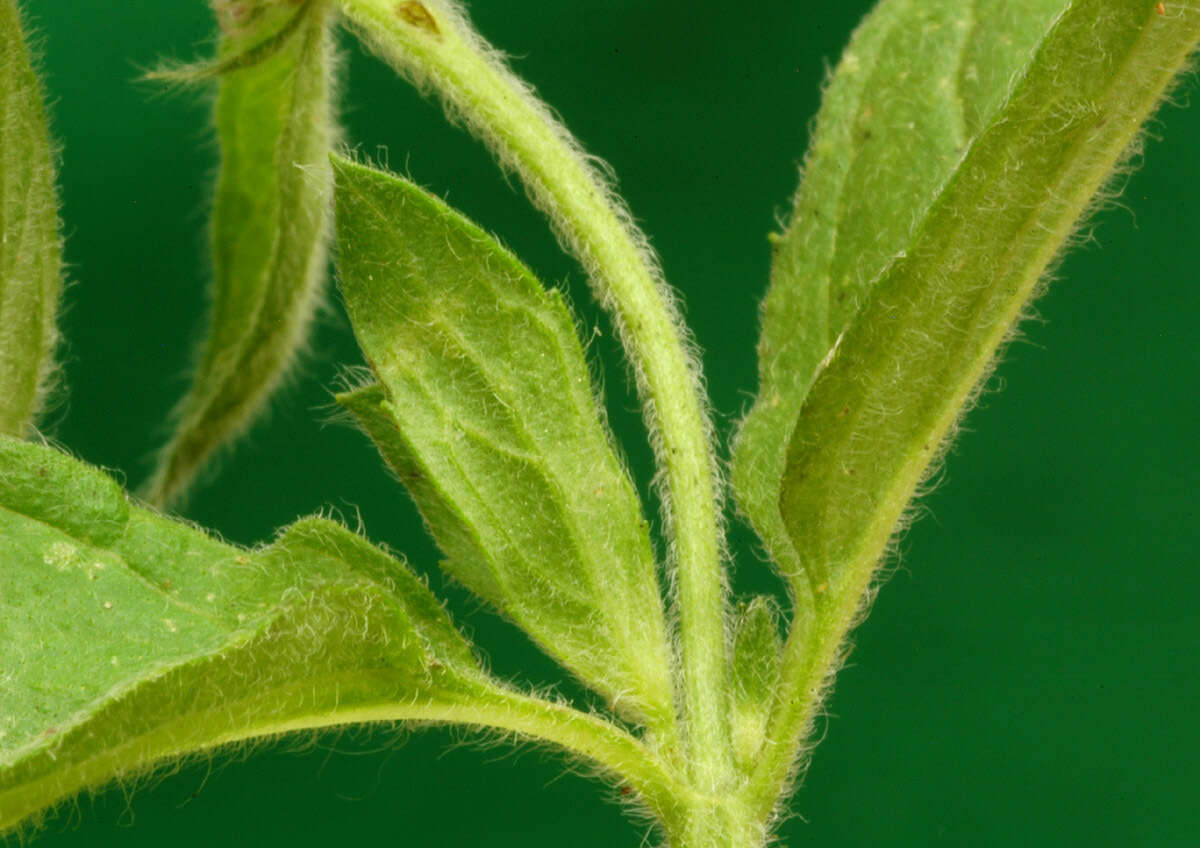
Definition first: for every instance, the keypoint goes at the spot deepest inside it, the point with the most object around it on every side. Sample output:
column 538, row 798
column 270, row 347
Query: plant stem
column 435, row 46
column 717, row 824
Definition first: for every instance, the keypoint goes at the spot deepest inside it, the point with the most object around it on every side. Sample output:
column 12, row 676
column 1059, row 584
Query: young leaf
column 929, row 329
column 487, row 414
column 433, row 44
column 755, row 671
column 127, row 638
column 894, row 125
column 30, row 246
column 268, row 232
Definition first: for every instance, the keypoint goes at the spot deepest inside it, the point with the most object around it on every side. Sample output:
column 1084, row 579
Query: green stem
column 718, row 824
column 435, row 46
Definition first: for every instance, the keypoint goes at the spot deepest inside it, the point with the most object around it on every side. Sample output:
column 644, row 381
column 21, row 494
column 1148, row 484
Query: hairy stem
column 435, row 46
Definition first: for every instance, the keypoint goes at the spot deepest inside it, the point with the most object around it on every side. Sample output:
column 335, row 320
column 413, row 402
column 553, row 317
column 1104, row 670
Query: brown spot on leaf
column 411, row 476
column 1160, row 8
column 415, row 13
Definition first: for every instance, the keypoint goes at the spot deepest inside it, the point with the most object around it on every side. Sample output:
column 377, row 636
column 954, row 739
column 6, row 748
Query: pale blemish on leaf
column 61, row 555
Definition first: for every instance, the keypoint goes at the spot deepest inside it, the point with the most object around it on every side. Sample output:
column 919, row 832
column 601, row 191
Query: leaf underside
column 269, row 228
column 485, row 410
column 914, row 89
column 30, row 245
column 886, row 401
column 126, row 637
column 929, row 330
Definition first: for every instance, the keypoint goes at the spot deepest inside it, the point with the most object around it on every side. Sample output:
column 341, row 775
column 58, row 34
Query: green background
column 1027, row 675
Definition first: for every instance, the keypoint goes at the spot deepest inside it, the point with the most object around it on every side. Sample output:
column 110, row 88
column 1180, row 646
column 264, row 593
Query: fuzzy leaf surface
column 434, row 45
column 127, row 638
column 269, row 230
column 486, row 412
column 928, row 331
column 755, row 669
column 913, row 91
column 30, row 244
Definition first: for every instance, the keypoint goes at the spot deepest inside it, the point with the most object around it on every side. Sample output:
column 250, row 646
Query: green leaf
column 487, row 414
column 126, row 637
column 269, row 229
column 928, row 331
column 914, row 89
column 755, row 670
column 30, row 245
column 434, row 45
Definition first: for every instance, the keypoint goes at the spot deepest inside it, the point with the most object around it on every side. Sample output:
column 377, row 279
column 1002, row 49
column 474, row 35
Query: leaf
column 30, row 245
column 434, row 46
column 126, row 638
column 913, row 91
column 269, row 233
column 486, row 412
column 928, row 331
column 755, row 669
